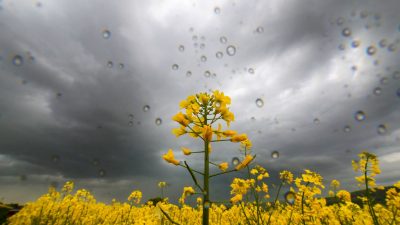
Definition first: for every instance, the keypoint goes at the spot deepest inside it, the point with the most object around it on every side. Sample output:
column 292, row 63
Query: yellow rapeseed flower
column 239, row 138
column 169, row 157
column 223, row 166
column 246, row 161
column 186, row 151
column 181, row 119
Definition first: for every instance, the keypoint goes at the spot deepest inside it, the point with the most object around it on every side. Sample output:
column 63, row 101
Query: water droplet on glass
column 110, row 64
column 316, row 121
column 158, row 121
column 392, row 47
column 382, row 43
column 347, row 129
column 364, row 14
column 55, row 158
column 130, row 123
column 235, row 161
column 342, row 47
column 398, row 92
column 175, row 67
column 121, row 65
column 360, row 116
column 251, row 70
column 102, row 173
column 355, row 43
column 59, row 95
column 371, row 50
column 106, row 34
column 259, row 102
column 275, row 154
column 346, row 32
column 231, row 50
column 260, row 30
column 181, row 48
column 191, row 29
column 219, row 55
column 290, row 197
column 384, row 80
column 207, row 73
column 194, row 38
column 203, row 58
column 340, row 21
column 217, row 10
column 396, row 75
column 223, row 40
column 203, row 38
column 377, row 91
column 202, row 46
column 189, row 73
column 18, row 60
column 381, row 129
column 146, row 108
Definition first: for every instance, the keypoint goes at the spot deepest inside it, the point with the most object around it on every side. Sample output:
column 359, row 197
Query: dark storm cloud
column 66, row 114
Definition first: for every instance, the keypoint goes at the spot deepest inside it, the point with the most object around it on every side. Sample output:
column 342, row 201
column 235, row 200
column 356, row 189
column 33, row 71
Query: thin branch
column 217, row 174
column 193, row 176
column 168, row 217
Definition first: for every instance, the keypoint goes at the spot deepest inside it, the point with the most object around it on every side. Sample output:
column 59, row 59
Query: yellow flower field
column 251, row 201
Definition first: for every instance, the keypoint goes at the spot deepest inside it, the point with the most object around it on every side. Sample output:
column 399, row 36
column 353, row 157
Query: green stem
column 206, row 195
column 276, row 199
column 370, row 206
column 193, row 176
column 168, row 217
column 217, row 174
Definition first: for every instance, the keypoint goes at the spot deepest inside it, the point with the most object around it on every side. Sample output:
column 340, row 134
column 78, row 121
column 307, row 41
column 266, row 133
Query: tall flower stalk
column 199, row 120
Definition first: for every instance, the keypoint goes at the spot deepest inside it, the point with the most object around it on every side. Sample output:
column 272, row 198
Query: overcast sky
column 76, row 77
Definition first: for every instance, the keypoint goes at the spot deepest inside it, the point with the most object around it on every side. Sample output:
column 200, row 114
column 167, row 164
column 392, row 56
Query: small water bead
column 316, row 121
column 392, row 47
column 223, row 40
column 340, row 21
column 231, row 50
column 347, row 128
column 383, row 43
column 275, row 154
column 110, row 64
column 18, row 60
column 102, row 173
column 346, row 32
column 191, row 29
column 106, row 34
column 181, row 48
column 202, row 38
column 146, row 108
column 219, row 55
column 290, row 197
column 384, row 80
column 259, row 102
column 175, row 67
column 158, row 121
column 371, row 50
column 360, row 116
column 355, row 43
column 130, row 123
column 202, row 46
column 213, row 75
column 217, row 10
column 207, row 73
column 377, row 91
column 189, row 73
column 260, row 29
column 251, row 70
column 396, row 75
column 235, row 161
column 381, row 129
column 121, row 65
column 203, row 58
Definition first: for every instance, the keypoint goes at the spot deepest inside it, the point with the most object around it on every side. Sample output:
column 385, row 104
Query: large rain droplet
column 146, row 108
column 360, row 116
column 381, row 129
column 203, row 58
column 18, row 60
column 346, row 32
column 106, row 34
column 231, row 50
column 371, row 50
column 175, row 67
column 275, row 154
column 355, row 43
column 290, row 197
column 259, row 102
column 251, row 70
column 158, row 121
column 235, row 161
